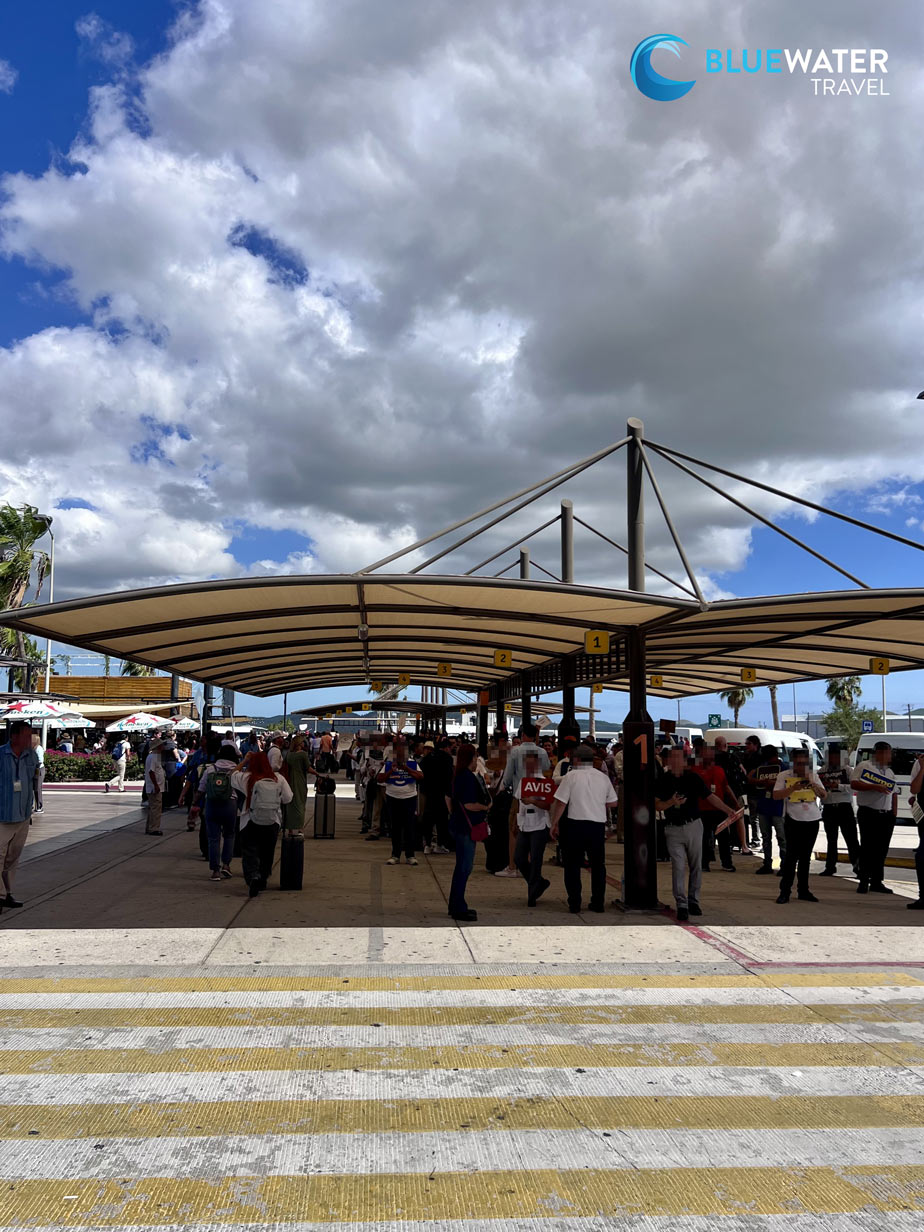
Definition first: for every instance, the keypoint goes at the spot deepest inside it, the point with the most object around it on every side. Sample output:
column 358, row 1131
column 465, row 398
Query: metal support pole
column 208, row 701
column 482, row 730
column 499, row 713
column 524, row 564
column 885, row 720
column 174, row 687
column 568, row 725
column 526, row 706
column 641, row 869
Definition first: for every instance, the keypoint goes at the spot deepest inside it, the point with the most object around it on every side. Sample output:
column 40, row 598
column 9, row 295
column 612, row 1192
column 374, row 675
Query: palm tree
column 20, row 530
column 774, row 707
column 136, row 669
column 107, row 665
column 736, row 698
column 844, row 691
column 19, row 677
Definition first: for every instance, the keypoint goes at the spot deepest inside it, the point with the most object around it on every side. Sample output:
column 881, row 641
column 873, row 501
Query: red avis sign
column 537, row 791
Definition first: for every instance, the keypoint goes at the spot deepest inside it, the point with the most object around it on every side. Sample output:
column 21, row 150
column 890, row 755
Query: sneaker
column 372, row 837
column 783, row 898
column 428, row 850
column 880, row 889
column 437, row 850
column 254, row 889
column 827, row 872
column 10, row 901
column 682, row 914
column 694, row 908
column 729, row 868
column 599, row 908
column 226, row 872
column 393, row 860
column 575, row 910
column 764, row 868
column 470, row 916
column 507, row 872
column 215, row 875
column 412, row 860
column 807, row 898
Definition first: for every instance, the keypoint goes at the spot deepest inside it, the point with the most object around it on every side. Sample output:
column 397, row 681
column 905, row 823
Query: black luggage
column 292, row 860
column 325, row 810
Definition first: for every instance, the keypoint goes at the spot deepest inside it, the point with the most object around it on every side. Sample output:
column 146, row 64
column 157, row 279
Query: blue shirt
column 16, row 806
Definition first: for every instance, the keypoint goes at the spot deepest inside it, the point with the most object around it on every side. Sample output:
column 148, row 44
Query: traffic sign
column 879, row 667
column 867, row 726
column 715, row 720
column 597, row 642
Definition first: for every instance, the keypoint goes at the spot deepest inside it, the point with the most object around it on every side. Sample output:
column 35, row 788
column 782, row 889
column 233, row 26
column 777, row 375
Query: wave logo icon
column 648, row 80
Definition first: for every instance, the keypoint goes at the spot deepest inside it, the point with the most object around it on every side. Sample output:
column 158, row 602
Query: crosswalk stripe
column 236, row 1200
column 655, row 1082
column 440, row 1016
column 524, row 1056
column 456, row 983
column 474, row 997
column 136, row 1119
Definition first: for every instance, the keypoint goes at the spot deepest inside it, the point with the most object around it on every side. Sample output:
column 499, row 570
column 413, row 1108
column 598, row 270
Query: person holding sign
column 680, row 795
column 769, row 810
column 798, row 790
column 400, row 778
column 534, row 795
column 877, row 804
column 837, row 814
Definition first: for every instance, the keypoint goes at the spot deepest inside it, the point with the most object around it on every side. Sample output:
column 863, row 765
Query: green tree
column 844, row 690
column 136, row 669
column 20, row 530
column 29, row 651
column 846, row 721
column 736, row 698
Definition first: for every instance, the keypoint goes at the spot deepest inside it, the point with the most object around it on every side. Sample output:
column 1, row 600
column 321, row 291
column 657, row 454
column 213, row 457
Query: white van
column 784, row 742
column 906, row 748
column 688, row 733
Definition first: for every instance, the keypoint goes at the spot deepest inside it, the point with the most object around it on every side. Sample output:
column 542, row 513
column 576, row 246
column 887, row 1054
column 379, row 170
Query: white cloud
column 8, row 77
column 355, row 271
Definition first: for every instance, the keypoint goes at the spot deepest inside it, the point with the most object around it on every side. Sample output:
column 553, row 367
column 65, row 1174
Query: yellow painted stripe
column 160, row 1120
column 408, row 983
column 456, row 1015
column 460, row 1196
column 526, row 1056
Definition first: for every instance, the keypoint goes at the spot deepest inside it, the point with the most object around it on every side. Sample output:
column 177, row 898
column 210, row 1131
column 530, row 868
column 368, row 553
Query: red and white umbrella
column 31, row 710
column 139, row 722
column 184, row 725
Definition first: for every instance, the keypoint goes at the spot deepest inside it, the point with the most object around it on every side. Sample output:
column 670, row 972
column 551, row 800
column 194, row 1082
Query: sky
column 287, row 285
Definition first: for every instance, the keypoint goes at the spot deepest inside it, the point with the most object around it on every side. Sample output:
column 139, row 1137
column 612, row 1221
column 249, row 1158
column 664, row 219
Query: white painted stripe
column 692, row 995
column 507, row 1150
column 654, row 1081
column 159, row 1038
column 898, row 1221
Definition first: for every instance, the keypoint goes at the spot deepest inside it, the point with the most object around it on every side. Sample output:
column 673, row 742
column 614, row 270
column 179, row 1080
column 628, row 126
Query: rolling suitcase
column 292, row 860
column 325, row 814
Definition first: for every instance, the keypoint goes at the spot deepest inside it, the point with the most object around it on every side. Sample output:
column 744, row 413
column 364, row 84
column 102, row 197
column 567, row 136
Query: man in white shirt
column 155, row 781
column 837, row 815
column 534, row 796
column 587, row 794
column 39, row 752
column 513, row 772
column 799, row 789
column 877, row 804
column 275, row 752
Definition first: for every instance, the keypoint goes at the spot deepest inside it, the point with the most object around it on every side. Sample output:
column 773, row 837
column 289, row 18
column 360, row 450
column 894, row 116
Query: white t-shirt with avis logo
column 530, row 815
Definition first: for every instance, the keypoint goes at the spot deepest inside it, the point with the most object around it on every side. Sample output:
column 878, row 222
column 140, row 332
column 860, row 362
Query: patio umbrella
column 184, row 724
column 139, row 722
column 31, row 710
column 71, row 719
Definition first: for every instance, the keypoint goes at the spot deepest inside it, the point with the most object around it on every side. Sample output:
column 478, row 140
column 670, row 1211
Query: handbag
column 480, row 831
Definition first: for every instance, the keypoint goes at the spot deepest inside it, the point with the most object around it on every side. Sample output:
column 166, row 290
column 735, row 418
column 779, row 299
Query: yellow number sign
column 748, row 675
column 879, row 667
column 367, row 705
column 597, row 688
column 597, row 641
column 657, row 682
column 348, row 710
column 444, row 669
column 404, row 679
column 503, row 658
column 339, row 712
column 376, row 686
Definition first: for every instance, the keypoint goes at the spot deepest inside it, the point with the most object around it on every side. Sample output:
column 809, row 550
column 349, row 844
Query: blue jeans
column 220, row 824
column 465, row 862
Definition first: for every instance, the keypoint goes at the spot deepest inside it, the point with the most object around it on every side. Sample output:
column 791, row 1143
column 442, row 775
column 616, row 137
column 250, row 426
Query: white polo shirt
column 586, row 792
column 880, row 800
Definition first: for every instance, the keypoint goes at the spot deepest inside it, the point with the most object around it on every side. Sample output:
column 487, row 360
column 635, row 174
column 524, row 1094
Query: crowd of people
column 528, row 793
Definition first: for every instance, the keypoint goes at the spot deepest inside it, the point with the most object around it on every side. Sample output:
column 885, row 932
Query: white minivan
column 906, row 748
column 784, row 742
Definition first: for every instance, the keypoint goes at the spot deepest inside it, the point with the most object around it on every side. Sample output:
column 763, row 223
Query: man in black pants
column 799, row 789
column 437, row 782
column 587, row 794
column 877, row 804
column 837, row 814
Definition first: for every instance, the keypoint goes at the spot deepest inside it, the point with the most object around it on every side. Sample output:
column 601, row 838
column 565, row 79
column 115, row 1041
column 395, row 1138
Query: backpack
column 118, row 752
column 218, row 785
column 264, row 802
